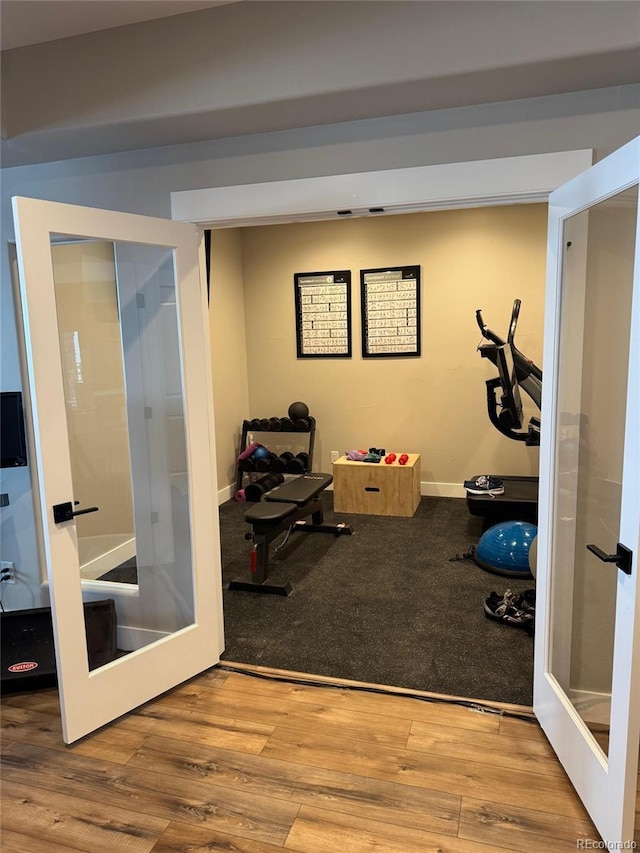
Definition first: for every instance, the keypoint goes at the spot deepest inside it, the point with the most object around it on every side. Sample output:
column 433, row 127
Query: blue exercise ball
column 260, row 453
column 504, row 549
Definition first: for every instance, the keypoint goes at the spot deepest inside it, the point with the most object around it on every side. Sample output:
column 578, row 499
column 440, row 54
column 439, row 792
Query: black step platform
column 518, row 503
column 27, row 644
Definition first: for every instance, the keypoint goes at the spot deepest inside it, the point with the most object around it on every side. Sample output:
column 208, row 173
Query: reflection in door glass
column 597, row 284
column 95, row 400
column 119, row 344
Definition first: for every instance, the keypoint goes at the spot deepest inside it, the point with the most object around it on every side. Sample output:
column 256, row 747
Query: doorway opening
column 272, row 317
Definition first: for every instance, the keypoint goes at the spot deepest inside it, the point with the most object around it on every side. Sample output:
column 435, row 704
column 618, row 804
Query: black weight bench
column 281, row 508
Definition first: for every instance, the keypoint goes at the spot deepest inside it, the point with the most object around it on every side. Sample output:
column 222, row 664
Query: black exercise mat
column 385, row 605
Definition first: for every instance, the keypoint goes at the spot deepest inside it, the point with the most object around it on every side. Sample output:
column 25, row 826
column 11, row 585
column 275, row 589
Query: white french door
column 117, row 347
column 587, row 655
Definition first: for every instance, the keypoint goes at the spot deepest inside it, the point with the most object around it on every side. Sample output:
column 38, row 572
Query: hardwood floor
column 231, row 762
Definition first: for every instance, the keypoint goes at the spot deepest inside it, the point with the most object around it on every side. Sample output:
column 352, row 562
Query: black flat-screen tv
column 13, row 443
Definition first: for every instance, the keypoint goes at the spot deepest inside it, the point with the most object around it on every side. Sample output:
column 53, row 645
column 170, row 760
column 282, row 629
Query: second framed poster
column 390, row 300
column 323, row 314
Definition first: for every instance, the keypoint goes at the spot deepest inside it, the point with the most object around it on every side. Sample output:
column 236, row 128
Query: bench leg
column 317, row 525
column 260, row 572
column 260, row 554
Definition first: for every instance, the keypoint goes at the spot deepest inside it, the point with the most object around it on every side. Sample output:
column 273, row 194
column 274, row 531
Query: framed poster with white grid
column 323, row 314
column 390, row 305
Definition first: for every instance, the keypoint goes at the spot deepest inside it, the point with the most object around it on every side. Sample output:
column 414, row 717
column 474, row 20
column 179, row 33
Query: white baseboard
column 226, row 494
column 442, row 490
column 112, row 556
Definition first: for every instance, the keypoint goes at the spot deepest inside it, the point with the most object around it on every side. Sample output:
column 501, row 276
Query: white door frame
column 476, row 183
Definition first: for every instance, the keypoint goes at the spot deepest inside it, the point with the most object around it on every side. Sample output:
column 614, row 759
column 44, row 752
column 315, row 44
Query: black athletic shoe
column 502, row 611
column 525, row 600
column 484, row 485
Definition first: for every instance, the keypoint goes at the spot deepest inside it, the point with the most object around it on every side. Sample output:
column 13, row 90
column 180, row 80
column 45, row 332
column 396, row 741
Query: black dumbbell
column 254, row 491
column 247, row 465
column 265, row 425
column 280, row 462
column 265, row 462
column 298, row 465
column 255, row 423
column 301, row 425
column 276, row 426
column 286, row 424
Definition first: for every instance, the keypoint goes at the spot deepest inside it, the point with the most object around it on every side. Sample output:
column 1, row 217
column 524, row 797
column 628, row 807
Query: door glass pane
column 597, row 283
column 119, row 345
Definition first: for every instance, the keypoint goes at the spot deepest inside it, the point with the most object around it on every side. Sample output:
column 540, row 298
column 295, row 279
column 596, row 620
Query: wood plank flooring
column 231, row 762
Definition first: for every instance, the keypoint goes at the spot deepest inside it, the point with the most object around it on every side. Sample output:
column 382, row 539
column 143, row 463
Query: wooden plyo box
column 372, row 488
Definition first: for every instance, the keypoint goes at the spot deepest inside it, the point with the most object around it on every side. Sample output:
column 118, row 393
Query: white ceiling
column 24, row 22
column 203, row 74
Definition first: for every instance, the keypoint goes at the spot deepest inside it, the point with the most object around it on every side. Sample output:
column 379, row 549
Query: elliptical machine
column 505, row 410
column 515, row 371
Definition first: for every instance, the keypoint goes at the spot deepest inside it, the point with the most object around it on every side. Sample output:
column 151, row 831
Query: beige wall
column 433, row 405
column 94, row 386
column 228, row 349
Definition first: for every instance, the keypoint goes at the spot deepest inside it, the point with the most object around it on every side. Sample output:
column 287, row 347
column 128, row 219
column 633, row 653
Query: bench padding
column 265, row 512
column 299, row 491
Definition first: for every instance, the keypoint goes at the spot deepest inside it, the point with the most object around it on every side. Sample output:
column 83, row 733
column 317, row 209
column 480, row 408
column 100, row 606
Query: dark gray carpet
column 384, row 605
column 126, row 572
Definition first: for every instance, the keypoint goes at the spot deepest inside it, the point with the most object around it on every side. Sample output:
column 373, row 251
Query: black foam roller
column 254, row 491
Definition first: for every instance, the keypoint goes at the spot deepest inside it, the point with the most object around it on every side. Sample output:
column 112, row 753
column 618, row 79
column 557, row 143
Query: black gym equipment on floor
column 504, row 407
column 519, row 501
column 284, row 508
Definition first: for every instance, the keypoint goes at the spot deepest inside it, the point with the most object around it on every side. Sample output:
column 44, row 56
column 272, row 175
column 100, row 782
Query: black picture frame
column 390, row 307
column 323, row 333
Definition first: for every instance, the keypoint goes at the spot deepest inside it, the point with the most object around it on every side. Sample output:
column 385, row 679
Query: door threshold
column 331, row 681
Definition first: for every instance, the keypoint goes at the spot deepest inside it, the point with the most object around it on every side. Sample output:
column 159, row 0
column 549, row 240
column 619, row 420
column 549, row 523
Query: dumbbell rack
column 247, row 429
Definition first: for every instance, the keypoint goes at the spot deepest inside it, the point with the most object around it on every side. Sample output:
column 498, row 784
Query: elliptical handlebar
column 486, row 331
column 513, row 322
column 515, row 313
